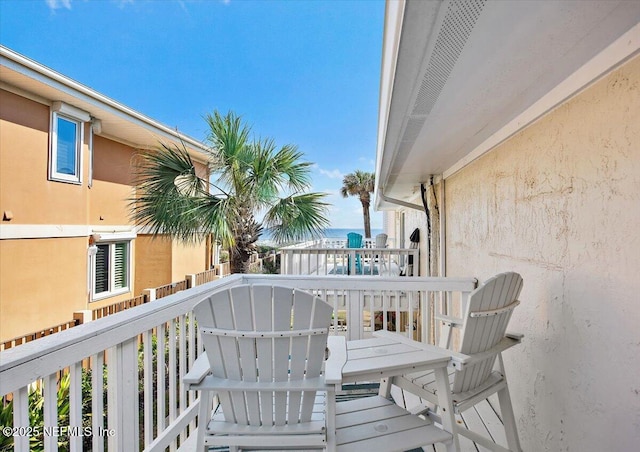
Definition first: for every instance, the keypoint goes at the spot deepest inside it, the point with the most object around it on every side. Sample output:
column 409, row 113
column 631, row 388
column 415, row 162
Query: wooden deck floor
column 484, row 419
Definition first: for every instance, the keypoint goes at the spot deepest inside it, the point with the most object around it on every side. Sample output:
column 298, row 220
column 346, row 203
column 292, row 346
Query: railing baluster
column 75, row 406
column 398, row 318
column 161, row 386
column 182, row 357
column 192, row 356
column 97, row 401
column 21, row 418
column 172, row 376
column 147, row 356
column 50, row 408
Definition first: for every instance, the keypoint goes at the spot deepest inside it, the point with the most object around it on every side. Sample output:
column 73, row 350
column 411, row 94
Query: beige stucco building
column 521, row 121
column 67, row 243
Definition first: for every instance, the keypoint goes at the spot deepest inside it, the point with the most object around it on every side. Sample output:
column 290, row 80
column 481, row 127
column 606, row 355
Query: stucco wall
column 188, row 258
column 560, row 204
column 42, row 282
column 112, row 183
column 153, row 262
column 24, row 149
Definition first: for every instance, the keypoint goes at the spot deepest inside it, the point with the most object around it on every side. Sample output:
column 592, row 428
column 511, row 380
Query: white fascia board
column 621, row 50
column 394, row 14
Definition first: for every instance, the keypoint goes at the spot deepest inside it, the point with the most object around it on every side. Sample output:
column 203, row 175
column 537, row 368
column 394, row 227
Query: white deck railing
column 143, row 353
column 332, row 257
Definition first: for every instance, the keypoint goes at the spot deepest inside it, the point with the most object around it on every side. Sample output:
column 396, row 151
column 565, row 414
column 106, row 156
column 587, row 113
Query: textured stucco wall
column 187, row 259
column 153, row 262
column 24, row 152
column 42, row 282
column 560, row 204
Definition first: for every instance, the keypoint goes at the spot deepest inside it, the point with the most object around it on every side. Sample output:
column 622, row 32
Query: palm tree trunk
column 367, row 220
column 239, row 260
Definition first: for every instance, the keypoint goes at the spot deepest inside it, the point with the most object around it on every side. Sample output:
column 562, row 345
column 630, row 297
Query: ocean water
column 330, row 233
column 341, row 233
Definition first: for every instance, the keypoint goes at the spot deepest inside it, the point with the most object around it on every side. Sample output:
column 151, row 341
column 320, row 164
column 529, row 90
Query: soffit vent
column 457, row 25
column 412, row 130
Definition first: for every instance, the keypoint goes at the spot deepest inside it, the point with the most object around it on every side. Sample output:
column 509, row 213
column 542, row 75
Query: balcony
column 331, row 257
column 121, row 376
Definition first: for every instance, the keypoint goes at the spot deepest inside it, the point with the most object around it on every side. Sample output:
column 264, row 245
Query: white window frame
column 60, row 110
column 111, row 240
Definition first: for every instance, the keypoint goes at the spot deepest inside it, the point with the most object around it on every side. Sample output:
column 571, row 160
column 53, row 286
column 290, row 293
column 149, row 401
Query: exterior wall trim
column 50, row 231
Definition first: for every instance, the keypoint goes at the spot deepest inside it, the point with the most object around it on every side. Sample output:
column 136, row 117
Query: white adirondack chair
column 381, row 242
column 264, row 356
column 266, row 348
column 484, row 338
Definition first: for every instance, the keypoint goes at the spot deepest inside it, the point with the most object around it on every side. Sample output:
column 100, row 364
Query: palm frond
column 170, row 197
column 298, row 217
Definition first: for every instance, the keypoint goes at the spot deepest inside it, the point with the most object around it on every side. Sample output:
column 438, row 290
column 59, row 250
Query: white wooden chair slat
column 302, row 318
column 243, row 319
column 215, row 346
column 482, row 335
column 282, row 305
column 263, row 308
column 316, row 353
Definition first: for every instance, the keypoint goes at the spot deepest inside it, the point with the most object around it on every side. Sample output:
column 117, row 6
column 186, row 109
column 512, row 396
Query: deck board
column 484, row 419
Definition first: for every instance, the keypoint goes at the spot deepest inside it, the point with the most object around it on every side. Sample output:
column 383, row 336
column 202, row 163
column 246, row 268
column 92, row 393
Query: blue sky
column 300, row 72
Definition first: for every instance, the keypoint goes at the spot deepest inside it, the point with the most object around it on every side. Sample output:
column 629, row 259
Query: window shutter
column 102, row 269
column 120, row 266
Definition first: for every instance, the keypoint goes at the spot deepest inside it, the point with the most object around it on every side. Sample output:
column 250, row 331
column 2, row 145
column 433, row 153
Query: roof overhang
column 460, row 77
column 118, row 122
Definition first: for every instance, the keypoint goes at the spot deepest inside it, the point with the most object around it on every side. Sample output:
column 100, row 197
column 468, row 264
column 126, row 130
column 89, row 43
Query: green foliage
column 271, row 267
column 224, row 256
column 249, row 178
column 36, row 413
column 36, row 400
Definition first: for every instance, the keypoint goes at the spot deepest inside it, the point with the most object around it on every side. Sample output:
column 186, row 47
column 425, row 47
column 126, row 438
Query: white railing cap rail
column 360, row 282
column 363, row 249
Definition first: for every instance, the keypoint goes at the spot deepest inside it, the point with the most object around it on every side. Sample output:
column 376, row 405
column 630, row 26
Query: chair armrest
column 337, row 347
column 199, row 370
column 505, row 343
column 514, row 335
column 453, row 321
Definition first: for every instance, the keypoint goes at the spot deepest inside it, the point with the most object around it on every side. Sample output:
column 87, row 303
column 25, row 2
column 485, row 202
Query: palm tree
column 249, row 179
column 360, row 184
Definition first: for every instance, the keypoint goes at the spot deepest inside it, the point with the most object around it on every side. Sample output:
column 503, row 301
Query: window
column 111, row 269
column 65, row 158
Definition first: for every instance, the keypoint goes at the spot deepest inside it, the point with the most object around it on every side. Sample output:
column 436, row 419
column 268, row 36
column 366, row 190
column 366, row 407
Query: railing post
column 191, row 280
column 352, row 262
column 83, row 316
column 354, row 303
column 150, row 294
column 122, row 388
